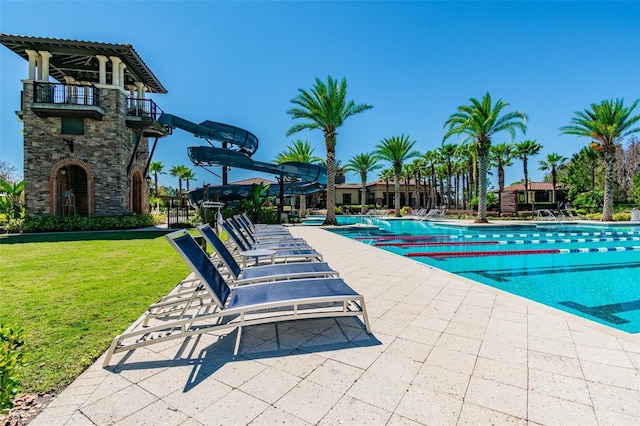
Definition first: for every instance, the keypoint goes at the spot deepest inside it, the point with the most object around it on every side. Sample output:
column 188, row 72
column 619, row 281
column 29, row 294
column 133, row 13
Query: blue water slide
column 212, row 156
column 227, row 193
column 243, row 140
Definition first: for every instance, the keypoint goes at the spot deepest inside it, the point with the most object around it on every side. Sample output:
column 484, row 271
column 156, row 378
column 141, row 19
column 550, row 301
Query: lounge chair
column 546, row 214
column 283, row 253
column 279, row 232
column 260, row 226
column 569, row 214
column 227, row 308
column 263, row 238
column 262, row 273
column 265, row 243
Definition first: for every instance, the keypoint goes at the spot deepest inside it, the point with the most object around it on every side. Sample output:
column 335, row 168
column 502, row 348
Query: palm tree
column 396, row 150
column 418, row 166
column 553, row 161
column 606, row 124
column 406, row 175
column 176, row 172
column 386, row 175
column 502, row 155
column 432, row 158
column 187, row 175
column 363, row 164
column 156, row 167
column 326, row 108
column 479, row 122
column 447, row 154
column 524, row 150
column 300, row 151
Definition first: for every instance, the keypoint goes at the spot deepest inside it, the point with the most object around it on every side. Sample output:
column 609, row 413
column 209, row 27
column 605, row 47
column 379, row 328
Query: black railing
column 72, row 94
column 143, row 108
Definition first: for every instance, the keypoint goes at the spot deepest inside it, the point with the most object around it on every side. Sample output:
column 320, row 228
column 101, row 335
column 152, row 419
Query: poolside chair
column 241, row 306
column 263, row 238
column 260, row 226
column 242, row 224
column 546, row 214
column 262, row 273
column 281, row 253
column 266, row 243
column 570, row 214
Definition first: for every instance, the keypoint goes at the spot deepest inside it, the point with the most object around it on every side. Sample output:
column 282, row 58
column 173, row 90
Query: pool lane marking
column 373, row 238
column 519, row 252
column 504, row 242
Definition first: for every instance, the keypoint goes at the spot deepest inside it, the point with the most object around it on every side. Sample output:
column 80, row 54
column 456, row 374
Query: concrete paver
column 444, row 350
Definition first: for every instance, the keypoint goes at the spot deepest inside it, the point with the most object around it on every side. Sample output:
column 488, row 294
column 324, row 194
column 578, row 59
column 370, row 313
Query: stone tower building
column 87, row 127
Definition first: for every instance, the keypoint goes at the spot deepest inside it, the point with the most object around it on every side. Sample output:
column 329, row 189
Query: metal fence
column 73, row 94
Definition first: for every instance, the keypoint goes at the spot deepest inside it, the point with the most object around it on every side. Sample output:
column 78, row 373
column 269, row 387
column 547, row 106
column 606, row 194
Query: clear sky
column 242, row 62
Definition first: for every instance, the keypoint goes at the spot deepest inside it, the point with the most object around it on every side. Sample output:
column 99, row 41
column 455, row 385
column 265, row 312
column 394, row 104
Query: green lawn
column 72, row 293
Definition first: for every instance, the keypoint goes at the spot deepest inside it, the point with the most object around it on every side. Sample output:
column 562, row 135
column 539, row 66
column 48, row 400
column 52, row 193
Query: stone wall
column 106, row 147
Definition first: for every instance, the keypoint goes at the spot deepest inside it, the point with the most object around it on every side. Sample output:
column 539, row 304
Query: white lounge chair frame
column 228, row 308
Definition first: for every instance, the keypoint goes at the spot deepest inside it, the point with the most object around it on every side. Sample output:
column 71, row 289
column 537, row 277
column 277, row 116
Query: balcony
column 66, row 100
column 143, row 114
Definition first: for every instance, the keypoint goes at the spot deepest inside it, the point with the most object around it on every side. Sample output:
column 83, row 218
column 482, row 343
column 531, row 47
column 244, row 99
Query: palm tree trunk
column 526, row 180
column 364, row 196
column 155, row 178
column 500, row 187
column 396, row 201
column 607, row 209
column 483, row 159
column 303, row 206
column 553, row 184
column 330, row 219
column 387, row 185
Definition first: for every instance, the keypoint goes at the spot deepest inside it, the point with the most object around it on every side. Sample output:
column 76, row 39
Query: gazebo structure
column 87, row 126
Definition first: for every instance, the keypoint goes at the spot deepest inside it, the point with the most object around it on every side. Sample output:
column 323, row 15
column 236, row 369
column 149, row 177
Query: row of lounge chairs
column 559, row 215
column 220, row 295
column 425, row 214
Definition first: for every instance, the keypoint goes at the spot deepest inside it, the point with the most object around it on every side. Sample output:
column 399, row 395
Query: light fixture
column 69, row 142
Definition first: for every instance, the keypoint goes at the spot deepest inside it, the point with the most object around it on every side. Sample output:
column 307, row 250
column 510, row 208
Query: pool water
column 588, row 270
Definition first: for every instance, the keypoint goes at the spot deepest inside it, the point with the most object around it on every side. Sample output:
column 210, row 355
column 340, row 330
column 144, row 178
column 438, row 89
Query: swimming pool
column 590, row 270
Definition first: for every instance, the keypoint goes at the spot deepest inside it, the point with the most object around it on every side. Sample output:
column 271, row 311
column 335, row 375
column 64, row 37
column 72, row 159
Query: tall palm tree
column 386, row 175
column 479, row 122
column 188, row 175
column 447, row 154
column 418, row 166
column 176, row 172
column 396, row 150
column 553, row 161
column 502, row 155
column 605, row 123
column 432, row 158
column 524, row 150
column 326, row 108
column 363, row 164
column 157, row 168
column 300, row 151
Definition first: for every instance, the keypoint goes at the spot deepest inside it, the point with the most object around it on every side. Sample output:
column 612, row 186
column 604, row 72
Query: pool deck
column 444, row 351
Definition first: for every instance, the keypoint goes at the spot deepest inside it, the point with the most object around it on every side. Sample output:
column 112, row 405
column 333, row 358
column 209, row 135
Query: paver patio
column 444, row 351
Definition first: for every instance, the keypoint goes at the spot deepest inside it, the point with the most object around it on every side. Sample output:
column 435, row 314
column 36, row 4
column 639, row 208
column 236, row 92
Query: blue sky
column 242, row 62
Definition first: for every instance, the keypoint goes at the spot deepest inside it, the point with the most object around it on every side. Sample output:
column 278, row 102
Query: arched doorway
column 72, row 191
column 137, row 193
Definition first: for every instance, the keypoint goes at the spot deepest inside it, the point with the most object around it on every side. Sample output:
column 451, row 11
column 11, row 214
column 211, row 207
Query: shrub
column 81, row 223
column 590, row 200
column 10, row 358
column 622, row 216
column 406, row 210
